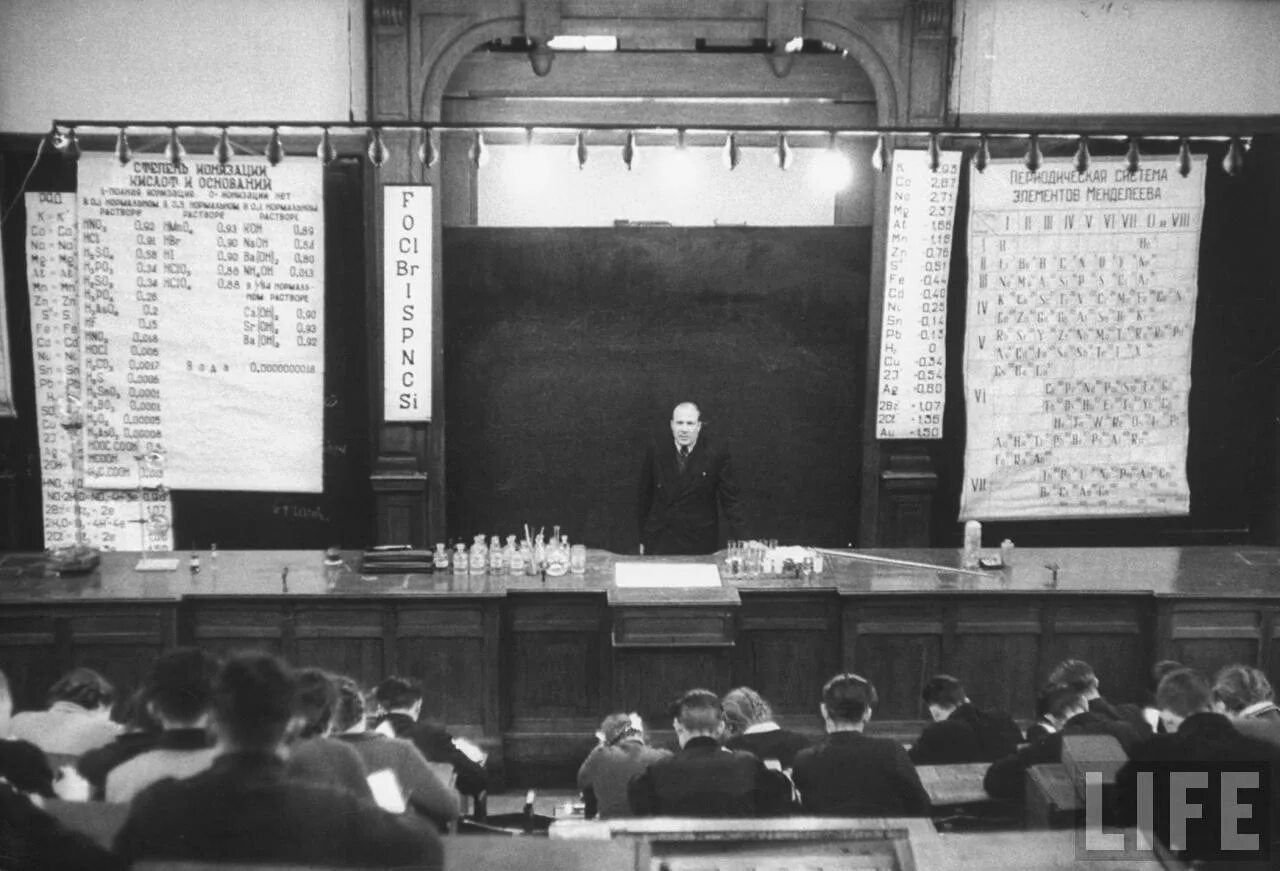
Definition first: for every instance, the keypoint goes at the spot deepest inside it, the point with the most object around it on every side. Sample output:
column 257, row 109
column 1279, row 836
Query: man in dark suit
column 684, row 484
column 245, row 808
column 850, row 774
column 705, row 779
column 961, row 731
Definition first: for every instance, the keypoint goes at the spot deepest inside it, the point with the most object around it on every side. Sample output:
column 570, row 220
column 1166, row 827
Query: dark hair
column 316, row 698
column 1057, row 698
column 253, row 700
column 698, row 710
column 1239, row 686
column 396, row 693
column 181, row 683
column 1076, row 672
column 350, row 708
column 83, row 687
column 944, row 691
column 1185, row 692
column 848, row 697
column 745, row 707
column 133, row 712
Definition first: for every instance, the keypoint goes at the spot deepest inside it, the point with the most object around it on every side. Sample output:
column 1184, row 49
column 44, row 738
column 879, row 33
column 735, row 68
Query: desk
column 530, row 665
column 954, row 784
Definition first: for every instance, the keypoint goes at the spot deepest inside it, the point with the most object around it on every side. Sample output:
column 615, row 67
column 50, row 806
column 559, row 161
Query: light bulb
column 1233, row 161
column 275, row 148
column 935, row 153
column 579, row 152
column 880, row 156
column 427, row 154
column 629, row 151
column 325, row 151
column 1080, row 160
column 1034, row 159
column 222, row 149
column 732, row 154
column 982, row 156
column 123, row 153
column 478, row 153
column 1184, row 157
column 173, row 151
column 1132, row 157
column 377, row 149
column 784, row 156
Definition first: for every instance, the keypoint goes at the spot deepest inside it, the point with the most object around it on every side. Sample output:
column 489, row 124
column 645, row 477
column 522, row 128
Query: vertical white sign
column 406, row 302
column 6, row 379
column 913, row 333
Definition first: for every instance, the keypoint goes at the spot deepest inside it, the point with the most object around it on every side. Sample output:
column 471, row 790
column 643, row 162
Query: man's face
column 685, row 425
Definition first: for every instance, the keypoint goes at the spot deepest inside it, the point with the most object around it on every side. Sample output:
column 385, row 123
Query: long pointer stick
column 884, row 560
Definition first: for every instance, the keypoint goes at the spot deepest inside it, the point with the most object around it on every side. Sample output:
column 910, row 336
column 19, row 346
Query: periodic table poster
column 1079, row 318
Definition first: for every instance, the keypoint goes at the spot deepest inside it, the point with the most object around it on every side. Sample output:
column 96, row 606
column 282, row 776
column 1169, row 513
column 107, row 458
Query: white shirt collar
column 1255, row 708
column 757, row 728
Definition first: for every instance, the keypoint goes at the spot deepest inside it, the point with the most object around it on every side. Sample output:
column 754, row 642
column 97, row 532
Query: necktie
column 682, row 457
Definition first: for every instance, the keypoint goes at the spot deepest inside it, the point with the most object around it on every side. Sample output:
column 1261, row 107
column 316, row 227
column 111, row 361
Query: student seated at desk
column 1203, row 739
column 1244, row 696
column 608, row 769
column 960, row 731
column 850, row 774
column 1067, row 708
column 1080, row 675
column 749, row 721
column 705, row 779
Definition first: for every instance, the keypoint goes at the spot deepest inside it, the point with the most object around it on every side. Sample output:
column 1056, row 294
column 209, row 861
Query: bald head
column 686, row 423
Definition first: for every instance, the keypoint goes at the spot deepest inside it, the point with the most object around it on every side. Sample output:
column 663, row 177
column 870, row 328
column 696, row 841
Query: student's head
column 686, row 423
column 6, row 706
column 348, row 716
column 134, row 711
column 179, row 690
column 84, row 687
column 697, row 713
column 619, row 727
column 1060, row 702
column 943, row 694
column 847, row 701
column 1180, row 694
column 316, row 699
column 1078, row 673
column 1159, row 670
column 743, row 708
column 400, row 695
column 253, row 702
column 1236, row 687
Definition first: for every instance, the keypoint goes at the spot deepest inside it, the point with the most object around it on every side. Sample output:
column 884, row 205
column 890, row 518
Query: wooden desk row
column 532, row 664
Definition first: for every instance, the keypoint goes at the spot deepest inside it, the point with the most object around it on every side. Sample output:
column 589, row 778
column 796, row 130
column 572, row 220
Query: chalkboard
column 341, row 514
column 566, row 349
column 1233, row 376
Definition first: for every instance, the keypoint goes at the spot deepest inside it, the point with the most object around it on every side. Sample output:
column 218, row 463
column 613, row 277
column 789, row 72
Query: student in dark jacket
column 960, row 731
column 400, row 699
column 749, row 723
column 247, row 810
column 705, row 779
column 141, row 733
column 1080, row 674
column 1199, row 741
column 1066, row 707
column 849, row 774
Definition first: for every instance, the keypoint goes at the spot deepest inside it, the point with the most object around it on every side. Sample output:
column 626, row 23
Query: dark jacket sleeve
column 1006, row 778
column 915, row 799
column 772, row 792
column 931, row 748
column 644, row 491
column 730, row 497
column 641, row 796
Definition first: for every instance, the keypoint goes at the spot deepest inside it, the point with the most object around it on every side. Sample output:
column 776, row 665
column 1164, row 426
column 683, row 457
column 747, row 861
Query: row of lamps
column 67, row 142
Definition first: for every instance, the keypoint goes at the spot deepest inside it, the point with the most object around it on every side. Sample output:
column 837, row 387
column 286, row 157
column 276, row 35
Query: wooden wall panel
column 788, row 647
column 649, row 680
column 28, row 656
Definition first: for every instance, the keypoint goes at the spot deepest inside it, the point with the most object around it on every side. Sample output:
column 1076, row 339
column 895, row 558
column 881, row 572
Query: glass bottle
column 440, row 559
column 557, row 558
column 516, row 565
column 540, row 553
column 479, row 556
column 460, row 562
column 496, row 563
